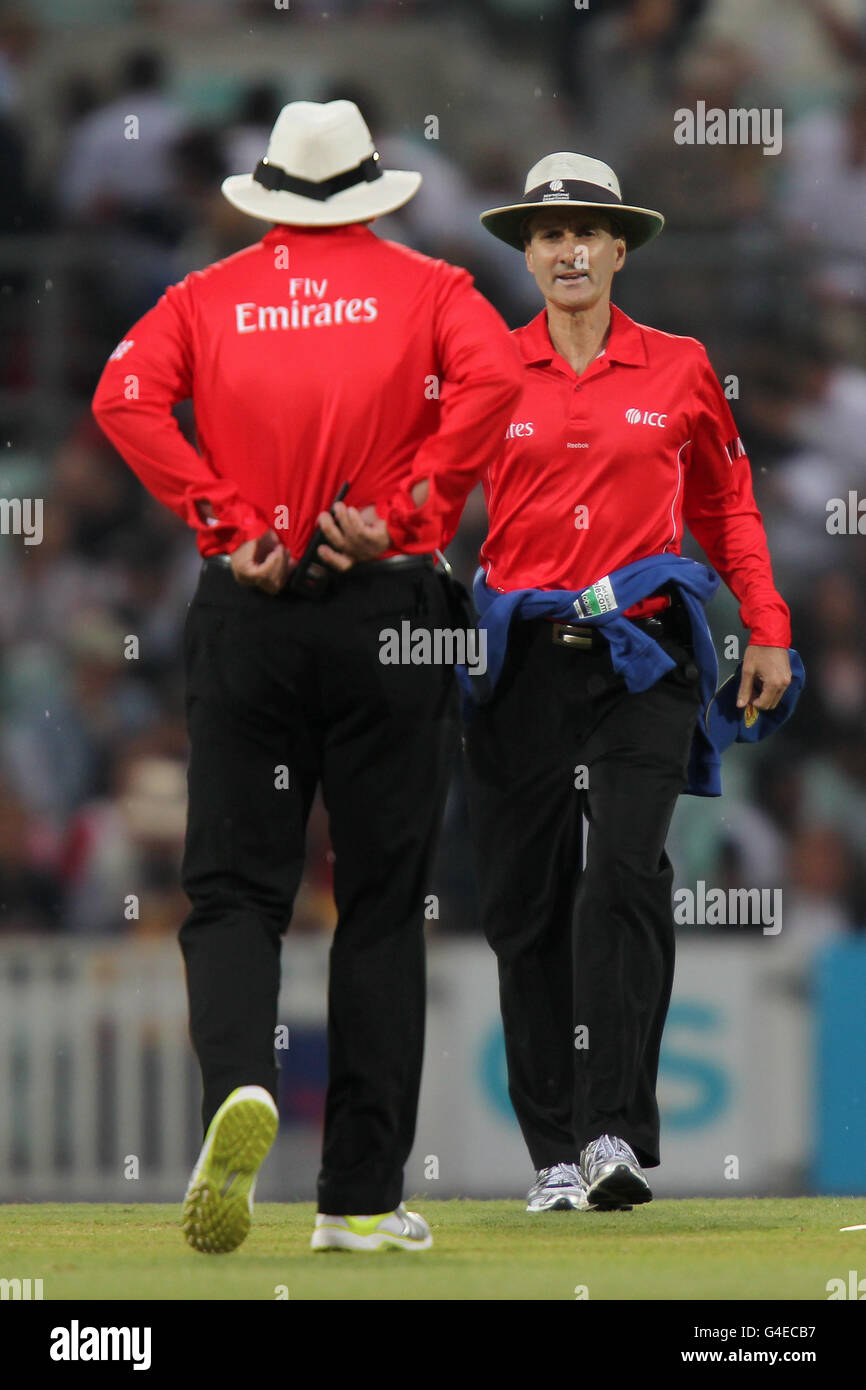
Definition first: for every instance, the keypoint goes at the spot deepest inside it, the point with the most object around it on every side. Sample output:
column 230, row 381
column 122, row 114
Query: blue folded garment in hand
column 726, row 724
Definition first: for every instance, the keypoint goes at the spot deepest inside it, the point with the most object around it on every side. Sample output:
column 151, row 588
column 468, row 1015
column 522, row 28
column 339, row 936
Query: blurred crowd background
column 763, row 259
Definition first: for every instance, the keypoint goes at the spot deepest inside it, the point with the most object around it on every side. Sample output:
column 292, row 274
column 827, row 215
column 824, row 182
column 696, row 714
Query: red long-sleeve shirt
column 315, row 357
column 600, row 470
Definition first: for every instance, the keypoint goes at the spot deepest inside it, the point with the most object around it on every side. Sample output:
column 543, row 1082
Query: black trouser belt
column 670, row 622
column 400, row 562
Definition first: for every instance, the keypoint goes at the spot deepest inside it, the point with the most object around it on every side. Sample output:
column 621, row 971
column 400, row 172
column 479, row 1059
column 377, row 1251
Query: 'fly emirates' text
column 257, row 318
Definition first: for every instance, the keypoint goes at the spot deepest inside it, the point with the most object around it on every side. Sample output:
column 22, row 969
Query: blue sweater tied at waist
column 635, row 655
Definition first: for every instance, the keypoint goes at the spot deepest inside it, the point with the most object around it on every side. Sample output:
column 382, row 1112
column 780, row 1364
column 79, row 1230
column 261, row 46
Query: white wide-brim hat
column 572, row 180
column 320, row 170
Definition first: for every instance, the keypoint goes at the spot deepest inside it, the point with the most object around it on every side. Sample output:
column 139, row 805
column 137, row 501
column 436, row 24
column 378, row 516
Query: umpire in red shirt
column 319, row 356
column 621, row 437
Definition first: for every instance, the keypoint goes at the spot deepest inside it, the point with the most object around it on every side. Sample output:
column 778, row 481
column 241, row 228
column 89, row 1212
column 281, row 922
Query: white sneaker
column 560, row 1188
column 393, row 1230
column 218, row 1207
column 613, row 1175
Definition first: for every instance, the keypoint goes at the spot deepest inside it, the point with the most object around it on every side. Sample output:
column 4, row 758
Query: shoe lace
column 607, row 1146
column 560, row 1175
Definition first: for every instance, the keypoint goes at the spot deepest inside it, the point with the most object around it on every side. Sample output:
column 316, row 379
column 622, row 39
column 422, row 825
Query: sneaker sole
column 619, row 1189
column 336, row 1238
column 217, row 1207
column 561, row 1204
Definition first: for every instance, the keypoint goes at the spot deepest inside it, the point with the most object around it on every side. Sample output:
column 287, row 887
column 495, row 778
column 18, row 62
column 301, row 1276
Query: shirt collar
column 279, row 232
column 625, row 343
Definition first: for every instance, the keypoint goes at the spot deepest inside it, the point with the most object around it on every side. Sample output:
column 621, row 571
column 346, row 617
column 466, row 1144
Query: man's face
column 573, row 256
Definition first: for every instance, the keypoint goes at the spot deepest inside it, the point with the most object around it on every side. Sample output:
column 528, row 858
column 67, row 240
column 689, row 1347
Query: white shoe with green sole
column 392, row 1230
column 218, row 1207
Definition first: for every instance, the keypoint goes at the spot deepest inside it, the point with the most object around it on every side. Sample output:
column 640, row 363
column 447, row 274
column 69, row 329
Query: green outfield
column 706, row 1249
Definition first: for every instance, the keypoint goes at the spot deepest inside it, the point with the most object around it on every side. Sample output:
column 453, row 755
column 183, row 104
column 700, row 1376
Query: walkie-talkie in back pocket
column 312, row 577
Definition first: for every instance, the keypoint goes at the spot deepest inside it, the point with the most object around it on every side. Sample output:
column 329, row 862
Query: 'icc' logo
column 556, row 185
column 646, row 417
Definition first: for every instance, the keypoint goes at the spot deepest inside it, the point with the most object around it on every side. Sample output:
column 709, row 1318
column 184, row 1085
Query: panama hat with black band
column 321, row 169
column 572, row 181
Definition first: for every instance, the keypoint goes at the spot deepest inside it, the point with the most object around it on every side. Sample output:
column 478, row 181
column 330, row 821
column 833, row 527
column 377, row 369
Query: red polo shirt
column 315, row 357
column 605, row 468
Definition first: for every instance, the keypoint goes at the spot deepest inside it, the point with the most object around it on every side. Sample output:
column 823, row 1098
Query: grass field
column 692, row 1249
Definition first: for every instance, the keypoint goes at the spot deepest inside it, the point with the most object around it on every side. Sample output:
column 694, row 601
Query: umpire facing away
column 313, row 359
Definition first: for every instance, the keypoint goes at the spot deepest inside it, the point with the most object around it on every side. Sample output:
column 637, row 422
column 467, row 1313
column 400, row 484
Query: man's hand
column 263, row 563
column 765, row 678
column 352, row 536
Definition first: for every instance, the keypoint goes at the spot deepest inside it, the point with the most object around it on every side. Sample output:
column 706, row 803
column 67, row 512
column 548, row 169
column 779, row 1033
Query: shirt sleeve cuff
column 230, row 524
column 771, row 636
column 413, row 530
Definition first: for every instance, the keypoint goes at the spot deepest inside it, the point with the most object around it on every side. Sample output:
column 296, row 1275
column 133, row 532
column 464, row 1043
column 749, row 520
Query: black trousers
column 282, row 694
column 585, row 952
